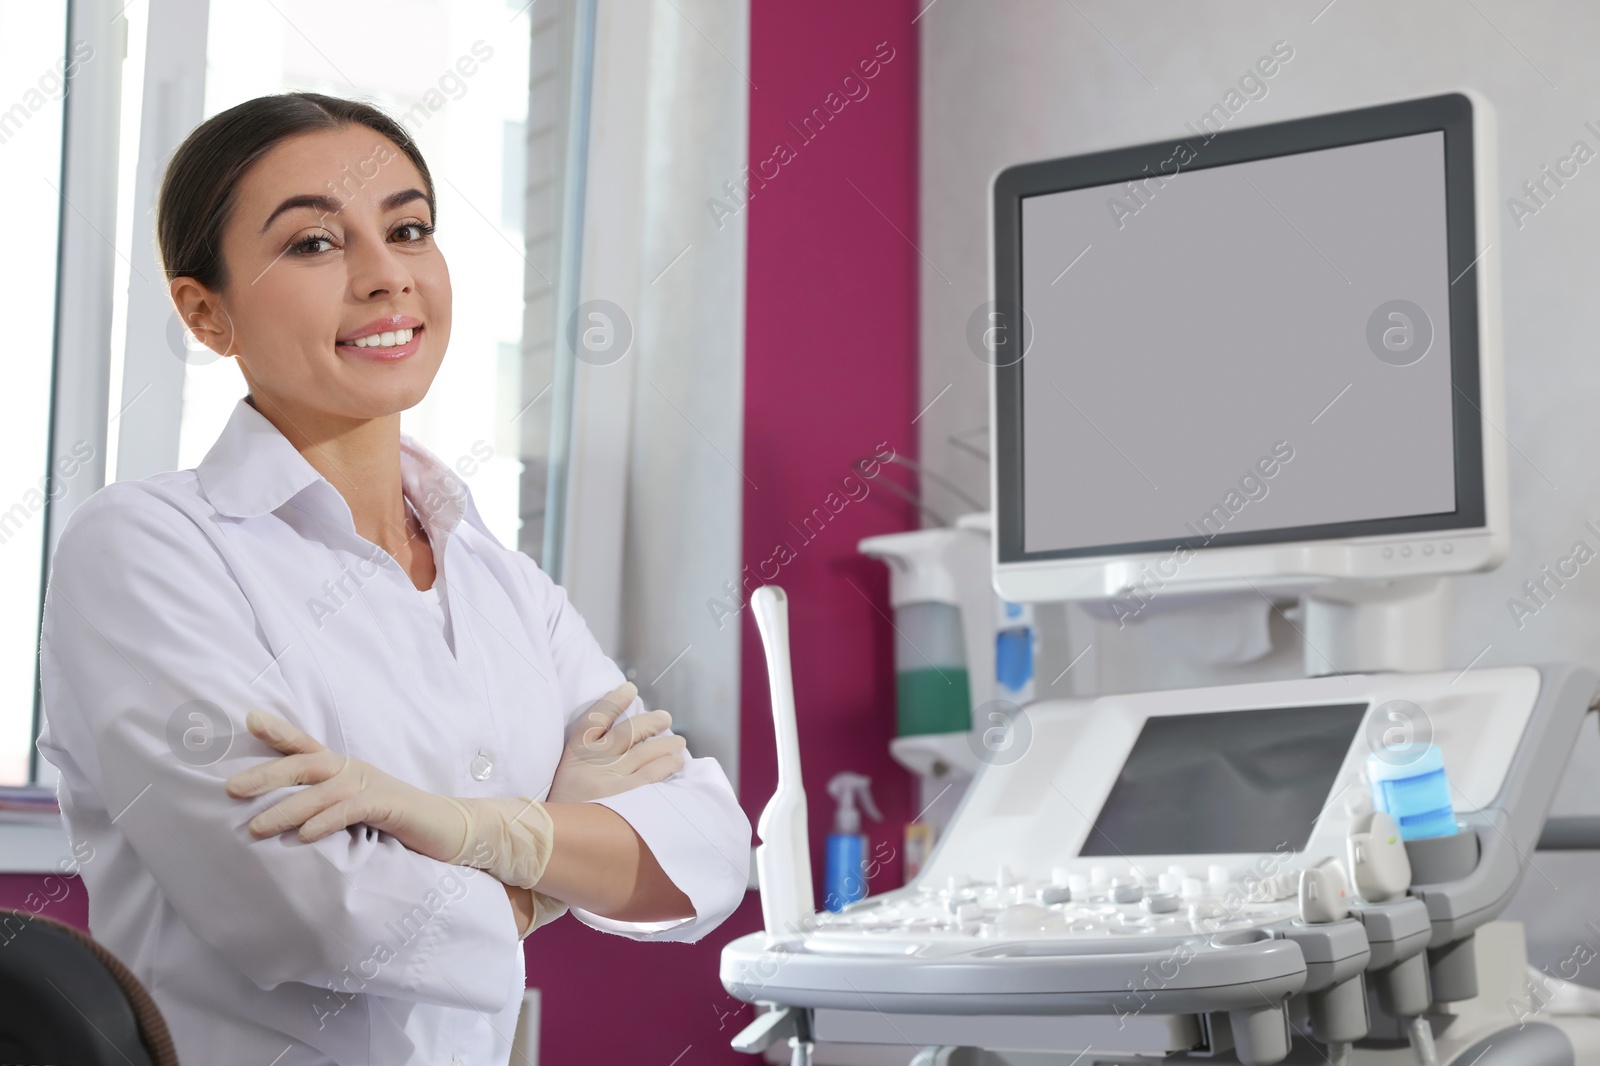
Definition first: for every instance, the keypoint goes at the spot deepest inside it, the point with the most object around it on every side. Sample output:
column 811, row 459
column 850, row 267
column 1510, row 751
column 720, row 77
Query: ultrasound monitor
column 1261, row 354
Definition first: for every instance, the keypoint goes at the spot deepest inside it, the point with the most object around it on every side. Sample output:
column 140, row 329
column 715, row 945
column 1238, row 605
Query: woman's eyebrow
column 330, row 206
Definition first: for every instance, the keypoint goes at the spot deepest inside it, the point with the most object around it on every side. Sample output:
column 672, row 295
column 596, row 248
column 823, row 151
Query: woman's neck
column 360, row 458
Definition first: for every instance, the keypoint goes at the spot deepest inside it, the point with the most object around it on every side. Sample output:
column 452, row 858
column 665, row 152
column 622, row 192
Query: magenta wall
column 830, row 375
column 830, row 378
column 52, row 895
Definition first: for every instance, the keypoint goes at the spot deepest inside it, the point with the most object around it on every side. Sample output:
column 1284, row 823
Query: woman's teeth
column 392, row 339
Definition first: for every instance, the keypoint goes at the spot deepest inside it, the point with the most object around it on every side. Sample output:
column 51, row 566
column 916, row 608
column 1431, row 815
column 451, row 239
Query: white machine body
column 1035, row 814
column 1062, row 890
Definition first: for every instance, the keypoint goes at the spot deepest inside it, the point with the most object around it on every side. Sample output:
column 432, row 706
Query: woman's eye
column 306, row 247
column 422, row 228
column 299, row 247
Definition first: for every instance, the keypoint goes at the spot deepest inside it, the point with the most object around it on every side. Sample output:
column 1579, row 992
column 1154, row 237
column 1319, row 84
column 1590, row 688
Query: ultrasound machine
column 1264, row 360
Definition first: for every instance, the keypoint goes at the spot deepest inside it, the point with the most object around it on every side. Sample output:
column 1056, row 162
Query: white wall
column 1005, row 81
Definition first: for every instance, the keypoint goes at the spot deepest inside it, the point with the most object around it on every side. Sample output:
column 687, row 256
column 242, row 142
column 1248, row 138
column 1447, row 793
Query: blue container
column 1013, row 658
column 846, row 877
column 1416, row 793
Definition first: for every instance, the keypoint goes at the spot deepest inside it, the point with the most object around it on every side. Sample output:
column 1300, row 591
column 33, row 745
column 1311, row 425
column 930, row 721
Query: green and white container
column 944, row 629
column 932, row 693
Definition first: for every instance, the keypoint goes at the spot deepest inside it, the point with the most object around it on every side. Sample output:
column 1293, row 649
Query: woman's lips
column 385, row 355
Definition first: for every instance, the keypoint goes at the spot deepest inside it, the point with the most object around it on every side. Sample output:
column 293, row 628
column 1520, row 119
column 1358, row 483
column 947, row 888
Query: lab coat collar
column 252, row 470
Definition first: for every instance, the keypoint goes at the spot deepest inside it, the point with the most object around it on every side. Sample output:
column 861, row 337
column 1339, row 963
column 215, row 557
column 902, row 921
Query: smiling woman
column 275, row 804
column 463, row 95
column 360, row 204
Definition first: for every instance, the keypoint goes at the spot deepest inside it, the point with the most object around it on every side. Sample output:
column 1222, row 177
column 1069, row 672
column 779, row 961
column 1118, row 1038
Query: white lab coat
column 243, row 583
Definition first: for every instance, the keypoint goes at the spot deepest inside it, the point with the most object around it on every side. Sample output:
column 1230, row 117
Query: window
column 34, row 58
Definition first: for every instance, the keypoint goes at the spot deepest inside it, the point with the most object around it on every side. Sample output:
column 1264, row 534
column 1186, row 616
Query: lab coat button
column 481, row 767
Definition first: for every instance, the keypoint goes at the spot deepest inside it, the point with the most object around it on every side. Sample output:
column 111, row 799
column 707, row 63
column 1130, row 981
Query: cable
column 1421, row 1036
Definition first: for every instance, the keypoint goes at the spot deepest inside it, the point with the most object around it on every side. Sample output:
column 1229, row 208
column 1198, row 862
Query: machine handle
column 783, row 858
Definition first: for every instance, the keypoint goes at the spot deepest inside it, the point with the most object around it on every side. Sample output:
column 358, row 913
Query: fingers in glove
column 659, row 769
column 281, row 733
column 641, row 727
column 297, row 809
column 596, row 720
column 307, row 769
column 546, row 909
column 605, row 750
column 355, row 810
column 646, row 752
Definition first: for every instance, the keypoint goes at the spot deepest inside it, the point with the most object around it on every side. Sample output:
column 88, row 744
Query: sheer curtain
column 652, row 525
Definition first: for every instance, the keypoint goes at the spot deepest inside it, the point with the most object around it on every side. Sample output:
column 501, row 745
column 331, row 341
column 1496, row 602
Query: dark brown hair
column 201, row 181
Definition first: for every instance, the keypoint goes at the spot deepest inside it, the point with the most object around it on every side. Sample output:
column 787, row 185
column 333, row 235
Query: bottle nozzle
column 847, row 788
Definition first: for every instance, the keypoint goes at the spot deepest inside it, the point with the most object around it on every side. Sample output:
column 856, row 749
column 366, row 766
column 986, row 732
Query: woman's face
column 328, row 237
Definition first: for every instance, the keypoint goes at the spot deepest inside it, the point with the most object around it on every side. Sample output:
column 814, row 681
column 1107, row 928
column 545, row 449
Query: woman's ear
column 201, row 313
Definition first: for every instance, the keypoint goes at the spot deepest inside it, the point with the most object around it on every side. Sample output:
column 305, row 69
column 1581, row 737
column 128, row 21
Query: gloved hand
column 509, row 836
column 604, row 756
column 546, row 909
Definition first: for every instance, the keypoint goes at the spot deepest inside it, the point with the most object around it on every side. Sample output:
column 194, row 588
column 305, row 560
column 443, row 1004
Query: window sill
column 33, row 848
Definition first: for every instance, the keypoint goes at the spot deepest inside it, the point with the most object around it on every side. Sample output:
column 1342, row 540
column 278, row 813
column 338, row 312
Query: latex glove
column 546, row 909
column 604, row 756
column 508, row 836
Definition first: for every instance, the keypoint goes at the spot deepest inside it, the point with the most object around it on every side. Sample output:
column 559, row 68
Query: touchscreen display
column 1225, row 782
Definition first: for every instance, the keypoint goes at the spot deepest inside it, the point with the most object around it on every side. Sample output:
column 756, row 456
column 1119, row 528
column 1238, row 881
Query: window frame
column 79, row 398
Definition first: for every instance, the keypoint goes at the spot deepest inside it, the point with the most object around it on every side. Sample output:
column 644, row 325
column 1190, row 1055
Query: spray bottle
column 846, row 877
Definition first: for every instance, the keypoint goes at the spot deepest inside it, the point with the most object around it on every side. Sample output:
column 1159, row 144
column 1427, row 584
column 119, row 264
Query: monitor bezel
column 1450, row 114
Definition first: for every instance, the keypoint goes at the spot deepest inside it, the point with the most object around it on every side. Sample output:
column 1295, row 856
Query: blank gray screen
column 1182, row 331
column 1226, row 783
